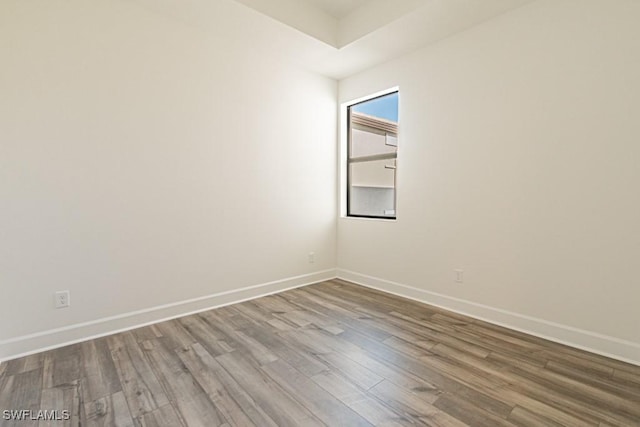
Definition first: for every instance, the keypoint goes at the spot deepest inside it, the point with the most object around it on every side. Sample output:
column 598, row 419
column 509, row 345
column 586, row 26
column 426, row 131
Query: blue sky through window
column 385, row 107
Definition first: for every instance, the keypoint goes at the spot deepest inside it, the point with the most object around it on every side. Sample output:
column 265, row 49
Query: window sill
column 364, row 218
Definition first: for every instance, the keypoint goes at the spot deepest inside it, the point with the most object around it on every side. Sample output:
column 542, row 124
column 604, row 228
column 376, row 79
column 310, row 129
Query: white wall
column 145, row 162
column 519, row 153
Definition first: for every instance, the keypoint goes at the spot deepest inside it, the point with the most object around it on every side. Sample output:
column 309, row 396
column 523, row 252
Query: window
column 372, row 150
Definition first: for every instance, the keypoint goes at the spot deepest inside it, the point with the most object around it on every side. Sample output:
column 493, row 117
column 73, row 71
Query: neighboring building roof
column 367, row 121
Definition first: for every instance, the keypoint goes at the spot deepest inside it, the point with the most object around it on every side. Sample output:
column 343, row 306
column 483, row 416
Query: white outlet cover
column 62, row 299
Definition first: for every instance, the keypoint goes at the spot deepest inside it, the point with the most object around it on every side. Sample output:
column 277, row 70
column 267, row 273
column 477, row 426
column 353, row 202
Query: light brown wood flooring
column 333, row 354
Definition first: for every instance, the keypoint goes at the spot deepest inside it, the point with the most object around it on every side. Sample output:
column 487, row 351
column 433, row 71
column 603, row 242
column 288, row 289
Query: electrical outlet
column 312, row 257
column 62, row 299
column 459, row 275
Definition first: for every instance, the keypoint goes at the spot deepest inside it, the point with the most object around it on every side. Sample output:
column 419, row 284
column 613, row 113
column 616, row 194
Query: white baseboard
column 604, row 345
column 615, row 348
column 33, row 343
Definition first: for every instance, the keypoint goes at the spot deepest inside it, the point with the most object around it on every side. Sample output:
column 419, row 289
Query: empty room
column 319, row 212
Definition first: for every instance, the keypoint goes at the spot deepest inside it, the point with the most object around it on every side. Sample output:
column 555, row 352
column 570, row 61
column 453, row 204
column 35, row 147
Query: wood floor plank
column 199, row 329
column 523, row 417
column 356, row 399
column 415, row 406
column 382, row 302
column 339, row 310
column 295, row 356
column 63, row 398
column 22, row 392
column 564, row 352
column 146, row 333
column 438, row 334
column 281, row 325
column 434, row 369
column 275, row 304
column 197, row 410
column 525, row 384
column 404, row 332
column 53, row 399
column 407, row 347
column 322, row 404
column 530, row 391
column 585, row 365
column 490, row 401
column 469, row 412
column 252, row 410
column 353, row 371
column 165, row 416
column 351, row 353
column 109, row 410
column 628, row 405
column 141, row 387
column 497, row 346
column 470, row 370
column 506, row 340
column 189, row 398
column 62, row 365
column 276, row 403
column 333, row 353
column 628, row 378
column 507, row 358
column 238, row 334
column 24, row 364
column 314, row 317
column 299, row 338
column 587, row 377
column 98, row 370
column 250, row 310
column 173, row 335
column 203, row 367
column 376, row 301
column 527, row 404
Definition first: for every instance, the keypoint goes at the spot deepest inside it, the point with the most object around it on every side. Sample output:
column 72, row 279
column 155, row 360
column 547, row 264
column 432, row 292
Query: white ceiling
column 362, row 33
column 336, row 38
column 337, row 8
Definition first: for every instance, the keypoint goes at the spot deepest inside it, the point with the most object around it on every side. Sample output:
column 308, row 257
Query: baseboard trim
column 46, row 340
column 604, row 345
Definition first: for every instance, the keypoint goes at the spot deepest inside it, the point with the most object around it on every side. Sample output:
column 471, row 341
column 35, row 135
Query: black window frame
column 349, row 162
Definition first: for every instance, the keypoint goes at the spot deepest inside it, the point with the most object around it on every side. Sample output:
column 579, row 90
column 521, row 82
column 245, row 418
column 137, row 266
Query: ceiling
column 336, row 38
column 337, row 8
column 362, row 33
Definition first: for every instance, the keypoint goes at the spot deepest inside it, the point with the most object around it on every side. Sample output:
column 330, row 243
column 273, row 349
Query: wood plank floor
column 331, row 354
